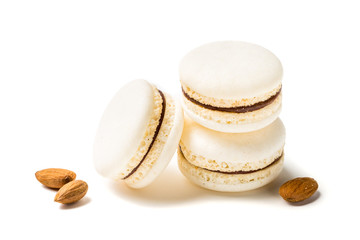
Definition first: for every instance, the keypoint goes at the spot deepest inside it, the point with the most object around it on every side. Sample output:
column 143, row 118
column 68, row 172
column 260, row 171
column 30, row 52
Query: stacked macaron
column 233, row 139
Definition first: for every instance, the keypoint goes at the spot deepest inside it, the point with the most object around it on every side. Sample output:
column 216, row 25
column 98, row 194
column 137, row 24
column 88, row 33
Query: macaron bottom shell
column 233, row 122
column 224, row 182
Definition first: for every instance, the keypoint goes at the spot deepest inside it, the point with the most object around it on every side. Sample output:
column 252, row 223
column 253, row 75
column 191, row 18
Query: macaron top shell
column 230, row 152
column 231, row 70
column 122, row 127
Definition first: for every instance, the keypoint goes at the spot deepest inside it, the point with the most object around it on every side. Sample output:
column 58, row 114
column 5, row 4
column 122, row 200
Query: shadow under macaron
column 170, row 188
column 269, row 194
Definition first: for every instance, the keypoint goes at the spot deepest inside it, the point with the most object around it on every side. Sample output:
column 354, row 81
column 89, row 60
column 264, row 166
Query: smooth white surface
column 62, row 61
column 231, row 70
column 122, row 127
column 258, row 148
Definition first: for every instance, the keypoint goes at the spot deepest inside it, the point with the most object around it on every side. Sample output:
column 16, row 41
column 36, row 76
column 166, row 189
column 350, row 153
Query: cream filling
column 228, row 166
column 147, row 138
column 229, row 118
column 158, row 145
column 228, row 103
column 229, row 182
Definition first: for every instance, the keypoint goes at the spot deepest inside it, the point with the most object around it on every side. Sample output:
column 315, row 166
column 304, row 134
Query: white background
column 62, row 61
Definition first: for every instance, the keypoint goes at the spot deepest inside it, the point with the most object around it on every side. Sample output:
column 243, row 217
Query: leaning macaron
column 231, row 86
column 231, row 162
column 138, row 134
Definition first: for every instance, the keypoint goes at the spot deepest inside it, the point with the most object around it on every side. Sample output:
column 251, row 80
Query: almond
column 55, row 177
column 71, row 192
column 298, row 189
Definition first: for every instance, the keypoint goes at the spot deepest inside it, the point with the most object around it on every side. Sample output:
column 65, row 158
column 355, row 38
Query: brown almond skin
column 71, row 192
column 55, row 177
column 298, row 189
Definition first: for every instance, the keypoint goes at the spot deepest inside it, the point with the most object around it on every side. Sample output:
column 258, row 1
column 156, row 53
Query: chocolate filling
column 155, row 135
column 239, row 172
column 243, row 109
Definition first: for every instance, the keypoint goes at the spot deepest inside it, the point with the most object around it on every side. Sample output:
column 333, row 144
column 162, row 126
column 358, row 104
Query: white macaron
column 231, row 86
column 138, row 134
column 231, row 162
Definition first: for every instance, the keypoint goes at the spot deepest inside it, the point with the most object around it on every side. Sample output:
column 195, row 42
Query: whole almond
column 298, row 189
column 55, row 177
column 71, row 192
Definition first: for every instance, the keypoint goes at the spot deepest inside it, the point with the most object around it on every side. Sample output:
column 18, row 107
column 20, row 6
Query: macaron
column 231, row 162
column 138, row 134
column 231, row 86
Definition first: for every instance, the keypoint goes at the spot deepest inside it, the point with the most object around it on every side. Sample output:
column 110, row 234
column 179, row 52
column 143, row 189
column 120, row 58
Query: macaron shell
column 229, row 182
column 232, row 122
column 230, row 152
column 167, row 148
column 231, row 70
column 122, row 127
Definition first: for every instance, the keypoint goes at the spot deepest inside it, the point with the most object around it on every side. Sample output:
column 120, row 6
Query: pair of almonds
column 70, row 190
column 298, row 189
